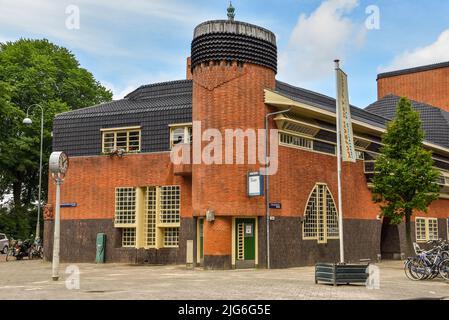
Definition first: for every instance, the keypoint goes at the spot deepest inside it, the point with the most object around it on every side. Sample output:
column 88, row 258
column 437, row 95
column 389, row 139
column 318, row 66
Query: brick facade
column 226, row 94
column 428, row 86
column 91, row 183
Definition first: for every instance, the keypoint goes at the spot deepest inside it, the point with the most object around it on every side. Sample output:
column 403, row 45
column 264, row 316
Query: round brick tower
column 232, row 63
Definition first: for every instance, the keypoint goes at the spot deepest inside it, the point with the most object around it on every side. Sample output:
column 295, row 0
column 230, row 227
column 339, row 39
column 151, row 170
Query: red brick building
column 150, row 208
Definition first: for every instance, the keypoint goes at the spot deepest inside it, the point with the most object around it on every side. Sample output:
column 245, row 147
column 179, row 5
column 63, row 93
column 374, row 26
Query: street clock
column 59, row 162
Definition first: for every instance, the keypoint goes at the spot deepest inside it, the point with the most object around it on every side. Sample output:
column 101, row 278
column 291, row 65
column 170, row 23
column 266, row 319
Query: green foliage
column 17, row 223
column 404, row 176
column 36, row 72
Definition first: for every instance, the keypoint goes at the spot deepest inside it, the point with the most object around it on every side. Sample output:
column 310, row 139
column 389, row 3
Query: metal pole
column 40, row 168
column 267, row 198
column 38, row 224
column 340, row 207
column 55, row 261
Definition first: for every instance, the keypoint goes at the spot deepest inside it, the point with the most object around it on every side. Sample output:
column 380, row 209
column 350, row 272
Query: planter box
column 335, row 273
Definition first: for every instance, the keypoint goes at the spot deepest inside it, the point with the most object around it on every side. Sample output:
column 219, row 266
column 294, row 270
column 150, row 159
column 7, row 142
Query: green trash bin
column 101, row 246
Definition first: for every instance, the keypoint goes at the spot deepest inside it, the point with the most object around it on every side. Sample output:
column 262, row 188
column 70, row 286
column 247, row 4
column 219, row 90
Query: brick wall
column 91, row 183
column 228, row 97
column 431, row 87
column 300, row 170
column 218, row 236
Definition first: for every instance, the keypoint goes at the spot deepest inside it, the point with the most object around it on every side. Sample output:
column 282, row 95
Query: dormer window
column 126, row 139
column 180, row 133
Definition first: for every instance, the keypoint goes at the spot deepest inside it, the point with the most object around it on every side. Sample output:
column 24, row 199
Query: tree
column 36, row 72
column 405, row 179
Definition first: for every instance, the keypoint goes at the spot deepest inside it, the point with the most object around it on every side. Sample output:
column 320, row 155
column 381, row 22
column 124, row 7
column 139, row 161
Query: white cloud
column 433, row 53
column 318, row 39
column 102, row 23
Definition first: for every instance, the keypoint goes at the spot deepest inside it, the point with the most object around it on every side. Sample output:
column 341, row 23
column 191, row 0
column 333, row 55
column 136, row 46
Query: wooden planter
column 335, row 273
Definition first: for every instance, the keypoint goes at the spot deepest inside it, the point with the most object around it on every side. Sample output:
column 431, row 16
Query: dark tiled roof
column 153, row 107
column 435, row 121
column 413, row 70
column 163, row 96
column 327, row 103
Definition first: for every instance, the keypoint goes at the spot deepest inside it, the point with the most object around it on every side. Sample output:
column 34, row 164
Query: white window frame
column 324, row 217
column 187, row 138
column 115, row 131
column 152, row 216
column 427, row 236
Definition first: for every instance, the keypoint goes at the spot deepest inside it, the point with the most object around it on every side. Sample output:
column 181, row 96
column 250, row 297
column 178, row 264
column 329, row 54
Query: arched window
column 320, row 216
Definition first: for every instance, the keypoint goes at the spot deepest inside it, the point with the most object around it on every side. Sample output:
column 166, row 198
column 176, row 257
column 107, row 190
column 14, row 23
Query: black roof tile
column 435, row 121
column 327, row 103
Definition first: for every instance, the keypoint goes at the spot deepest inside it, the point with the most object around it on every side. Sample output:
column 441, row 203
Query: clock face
column 58, row 162
column 63, row 162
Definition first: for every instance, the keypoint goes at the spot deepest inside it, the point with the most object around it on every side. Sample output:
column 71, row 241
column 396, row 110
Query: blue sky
column 129, row 43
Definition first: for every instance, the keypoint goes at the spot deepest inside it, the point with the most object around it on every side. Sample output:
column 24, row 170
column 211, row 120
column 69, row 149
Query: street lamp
column 28, row 121
column 267, row 198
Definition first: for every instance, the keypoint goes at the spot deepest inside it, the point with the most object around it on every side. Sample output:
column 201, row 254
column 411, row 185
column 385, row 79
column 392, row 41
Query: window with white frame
column 426, row 229
column 296, row 141
column 126, row 139
column 150, row 217
column 320, row 217
column 125, row 206
column 159, row 211
column 128, row 237
column 180, row 134
column 171, row 237
column 170, row 204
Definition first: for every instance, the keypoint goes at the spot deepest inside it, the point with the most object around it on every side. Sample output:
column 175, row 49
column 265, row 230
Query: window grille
column 296, row 141
column 128, row 237
column 161, row 215
column 170, row 203
column 171, row 237
column 127, row 140
column 433, row 228
column 420, row 228
column 426, row 229
column 362, row 144
column 125, row 206
column 150, row 217
column 321, row 218
column 300, row 128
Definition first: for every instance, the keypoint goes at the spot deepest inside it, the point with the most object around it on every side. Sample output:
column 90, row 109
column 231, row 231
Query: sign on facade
column 275, row 205
column 255, row 184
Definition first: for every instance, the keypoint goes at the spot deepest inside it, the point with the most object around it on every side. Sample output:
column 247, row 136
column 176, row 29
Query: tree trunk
column 409, row 251
column 17, row 191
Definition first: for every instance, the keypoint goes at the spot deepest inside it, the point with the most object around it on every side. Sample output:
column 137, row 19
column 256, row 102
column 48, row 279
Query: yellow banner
column 346, row 133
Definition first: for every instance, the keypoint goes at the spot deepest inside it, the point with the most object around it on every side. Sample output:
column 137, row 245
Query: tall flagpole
column 340, row 210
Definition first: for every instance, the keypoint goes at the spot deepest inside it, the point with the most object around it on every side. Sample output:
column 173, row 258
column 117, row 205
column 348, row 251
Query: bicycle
column 428, row 264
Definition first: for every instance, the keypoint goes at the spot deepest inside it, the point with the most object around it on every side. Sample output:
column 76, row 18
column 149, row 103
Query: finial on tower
column 231, row 12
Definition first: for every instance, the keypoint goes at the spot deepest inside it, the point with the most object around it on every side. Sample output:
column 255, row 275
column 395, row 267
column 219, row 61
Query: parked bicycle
column 429, row 264
column 18, row 249
column 36, row 250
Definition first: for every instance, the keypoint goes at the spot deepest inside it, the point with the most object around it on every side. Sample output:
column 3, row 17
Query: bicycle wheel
column 411, row 269
column 9, row 254
column 443, row 269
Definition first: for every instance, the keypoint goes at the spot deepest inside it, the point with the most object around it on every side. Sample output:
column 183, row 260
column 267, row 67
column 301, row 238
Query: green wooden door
column 245, row 242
